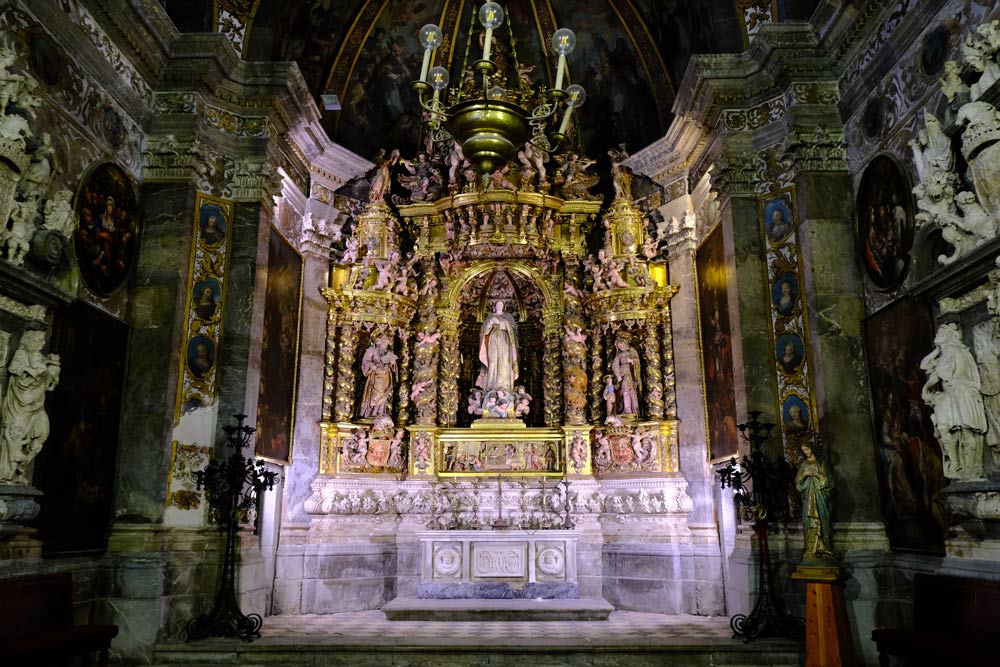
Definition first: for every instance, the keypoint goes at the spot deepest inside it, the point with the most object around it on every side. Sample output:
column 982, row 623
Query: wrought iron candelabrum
column 760, row 483
column 232, row 487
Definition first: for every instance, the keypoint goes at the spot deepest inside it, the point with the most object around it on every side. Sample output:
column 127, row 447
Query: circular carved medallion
column 447, row 560
column 551, row 561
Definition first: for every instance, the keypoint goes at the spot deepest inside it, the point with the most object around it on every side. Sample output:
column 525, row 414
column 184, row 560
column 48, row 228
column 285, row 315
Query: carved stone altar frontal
column 514, row 557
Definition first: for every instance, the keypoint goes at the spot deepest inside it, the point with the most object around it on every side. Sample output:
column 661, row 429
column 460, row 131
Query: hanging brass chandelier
column 489, row 119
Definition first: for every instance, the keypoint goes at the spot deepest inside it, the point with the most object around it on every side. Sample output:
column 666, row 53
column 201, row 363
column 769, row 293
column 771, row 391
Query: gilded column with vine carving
column 552, row 369
column 330, row 365
column 654, row 376
column 403, row 402
column 597, row 375
column 667, row 343
column 448, row 378
column 345, row 371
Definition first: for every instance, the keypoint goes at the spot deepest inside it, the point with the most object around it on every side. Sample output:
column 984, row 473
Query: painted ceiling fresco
column 630, row 54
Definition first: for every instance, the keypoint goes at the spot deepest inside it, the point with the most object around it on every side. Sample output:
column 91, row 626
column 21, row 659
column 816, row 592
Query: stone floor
column 363, row 639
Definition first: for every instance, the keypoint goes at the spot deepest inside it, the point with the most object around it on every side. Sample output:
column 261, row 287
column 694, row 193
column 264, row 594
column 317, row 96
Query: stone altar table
column 498, row 564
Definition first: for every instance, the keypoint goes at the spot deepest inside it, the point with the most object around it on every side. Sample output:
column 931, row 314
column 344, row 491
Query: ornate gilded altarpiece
column 414, row 293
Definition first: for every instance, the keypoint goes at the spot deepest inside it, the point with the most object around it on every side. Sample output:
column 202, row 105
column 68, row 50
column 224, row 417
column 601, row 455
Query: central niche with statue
column 487, row 369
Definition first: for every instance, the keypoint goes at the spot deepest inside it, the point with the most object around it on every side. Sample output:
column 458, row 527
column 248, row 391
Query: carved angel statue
column 18, row 239
column 10, row 82
column 396, row 450
column 523, row 400
column 382, row 176
column 932, row 148
column 386, row 274
column 578, row 451
column 952, row 85
column 533, row 158
column 575, row 334
column 59, row 215
column 979, row 53
column 351, row 251
column 650, row 247
column 424, row 179
column 621, row 175
column 602, row 455
column 456, row 161
column 952, row 389
column 572, row 180
column 476, row 402
column 34, row 184
column 24, row 426
column 356, row 448
column 499, row 180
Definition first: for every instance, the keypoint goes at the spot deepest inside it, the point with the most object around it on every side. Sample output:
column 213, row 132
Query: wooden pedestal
column 828, row 640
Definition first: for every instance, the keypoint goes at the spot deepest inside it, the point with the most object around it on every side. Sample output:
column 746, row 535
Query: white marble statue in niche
column 496, row 396
column 952, row 389
column 24, row 425
column 379, row 368
column 986, row 342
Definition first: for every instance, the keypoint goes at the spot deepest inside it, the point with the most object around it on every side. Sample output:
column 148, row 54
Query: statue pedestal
column 18, row 504
column 828, row 640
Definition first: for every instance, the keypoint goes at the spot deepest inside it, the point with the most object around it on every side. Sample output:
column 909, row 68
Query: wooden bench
column 36, row 622
column 956, row 622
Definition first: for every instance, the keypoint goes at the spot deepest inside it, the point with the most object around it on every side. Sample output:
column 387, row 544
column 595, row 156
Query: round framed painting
column 107, row 229
column 885, row 220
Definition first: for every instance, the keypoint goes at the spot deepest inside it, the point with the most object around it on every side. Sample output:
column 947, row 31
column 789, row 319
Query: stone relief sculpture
column 24, row 425
column 379, row 368
column 952, row 389
column 815, row 483
column 29, row 181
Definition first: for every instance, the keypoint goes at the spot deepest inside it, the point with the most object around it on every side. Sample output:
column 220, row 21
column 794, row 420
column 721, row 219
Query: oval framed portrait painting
column 107, row 228
column 885, row 221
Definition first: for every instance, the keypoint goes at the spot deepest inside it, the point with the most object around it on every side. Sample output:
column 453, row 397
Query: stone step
column 418, row 609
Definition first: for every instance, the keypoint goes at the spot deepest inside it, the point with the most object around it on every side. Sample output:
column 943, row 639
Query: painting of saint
column 908, row 455
column 212, row 225
column 205, row 298
column 201, row 356
column 279, row 350
column 717, row 347
column 789, row 352
column 107, row 232
column 778, row 221
column 885, row 220
column 795, row 413
column 785, row 293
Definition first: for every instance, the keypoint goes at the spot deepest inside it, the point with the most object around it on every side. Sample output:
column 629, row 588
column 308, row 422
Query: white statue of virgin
column 498, row 351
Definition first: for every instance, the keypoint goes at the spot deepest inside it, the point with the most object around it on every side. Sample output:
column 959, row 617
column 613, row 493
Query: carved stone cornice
column 141, row 28
column 816, row 149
